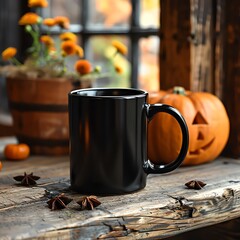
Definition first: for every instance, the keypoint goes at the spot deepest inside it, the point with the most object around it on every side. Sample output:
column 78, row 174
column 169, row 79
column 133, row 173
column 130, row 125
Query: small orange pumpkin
column 207, row 122
column 16, row 151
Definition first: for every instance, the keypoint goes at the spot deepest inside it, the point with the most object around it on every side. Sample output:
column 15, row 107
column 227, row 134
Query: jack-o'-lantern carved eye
column 199, row 119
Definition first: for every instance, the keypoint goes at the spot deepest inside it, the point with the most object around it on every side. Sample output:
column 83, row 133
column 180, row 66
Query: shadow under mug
column 108, row 140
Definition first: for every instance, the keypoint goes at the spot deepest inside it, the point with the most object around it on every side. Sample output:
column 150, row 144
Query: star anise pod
column 89, row 203
column 27, row 179
column 195, row 184
column 59, row 202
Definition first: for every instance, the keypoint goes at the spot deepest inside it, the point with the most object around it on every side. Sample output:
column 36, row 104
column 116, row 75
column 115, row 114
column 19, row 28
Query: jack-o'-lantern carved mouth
column 204, row 148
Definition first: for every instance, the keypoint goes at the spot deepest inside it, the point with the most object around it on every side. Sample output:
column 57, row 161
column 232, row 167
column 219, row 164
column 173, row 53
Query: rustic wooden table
column 164, row 208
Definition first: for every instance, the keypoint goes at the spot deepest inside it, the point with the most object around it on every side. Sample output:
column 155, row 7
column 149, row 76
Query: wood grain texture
column 231, row 72
column 164, row 208
column 175, row 44
column 202, row 47
column 40, row 119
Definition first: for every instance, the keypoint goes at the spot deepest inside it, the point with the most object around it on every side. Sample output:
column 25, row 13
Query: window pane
column 70, row 9
column 109, row 13
column 150, row 14
column 100, row 52
column 149, row 64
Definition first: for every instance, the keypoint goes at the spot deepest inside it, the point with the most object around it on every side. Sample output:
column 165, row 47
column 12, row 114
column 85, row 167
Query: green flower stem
column 115, row 54
column 35, row 34
column 15, row 61
column 36, row 39
column 64, row 68
column 49, row 32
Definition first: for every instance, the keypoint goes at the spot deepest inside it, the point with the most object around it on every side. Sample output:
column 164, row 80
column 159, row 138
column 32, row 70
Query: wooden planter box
column 39, row 108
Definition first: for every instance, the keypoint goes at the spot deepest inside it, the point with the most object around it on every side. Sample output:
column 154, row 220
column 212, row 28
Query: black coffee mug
column 108, row 140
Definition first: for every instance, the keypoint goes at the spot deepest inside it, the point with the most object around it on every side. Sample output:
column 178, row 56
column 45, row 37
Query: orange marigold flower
column 68, row 47
column 29, row 18
column 50, row 22
column 47, row 40
column 9, row 53
column 68, row 36
column 62, row 21
column 119, row 69
column 121, row 48
column 83, row 66
column 37, row 3
column 79, row 51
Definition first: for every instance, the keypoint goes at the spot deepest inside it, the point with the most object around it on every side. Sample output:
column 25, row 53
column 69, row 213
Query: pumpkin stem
column 179, row 90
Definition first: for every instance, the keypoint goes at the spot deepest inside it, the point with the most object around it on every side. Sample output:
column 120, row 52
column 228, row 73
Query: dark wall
column 9, row 29
column 11, row 35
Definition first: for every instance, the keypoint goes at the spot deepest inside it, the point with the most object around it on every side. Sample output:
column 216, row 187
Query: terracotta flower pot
column 39, row 108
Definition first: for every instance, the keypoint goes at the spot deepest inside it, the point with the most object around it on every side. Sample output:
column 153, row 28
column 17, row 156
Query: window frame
column 134, row 34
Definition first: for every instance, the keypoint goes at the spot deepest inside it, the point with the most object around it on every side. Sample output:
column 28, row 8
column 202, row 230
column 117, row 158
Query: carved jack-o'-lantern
column 207, row 121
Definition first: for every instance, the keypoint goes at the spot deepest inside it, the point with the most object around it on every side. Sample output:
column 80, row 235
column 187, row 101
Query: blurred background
column 97, row 23
column 190, row 43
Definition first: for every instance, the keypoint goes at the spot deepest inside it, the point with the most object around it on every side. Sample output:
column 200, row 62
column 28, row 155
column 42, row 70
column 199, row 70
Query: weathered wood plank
column 218, row 41
column 231, row 72
column 164, row 208
column 175, row 44
column 202, row 47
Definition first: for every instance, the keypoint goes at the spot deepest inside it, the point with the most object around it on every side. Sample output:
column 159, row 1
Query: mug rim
column 135, row 92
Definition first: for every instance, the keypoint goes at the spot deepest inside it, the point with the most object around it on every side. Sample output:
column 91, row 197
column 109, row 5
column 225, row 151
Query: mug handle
column 151, row 110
